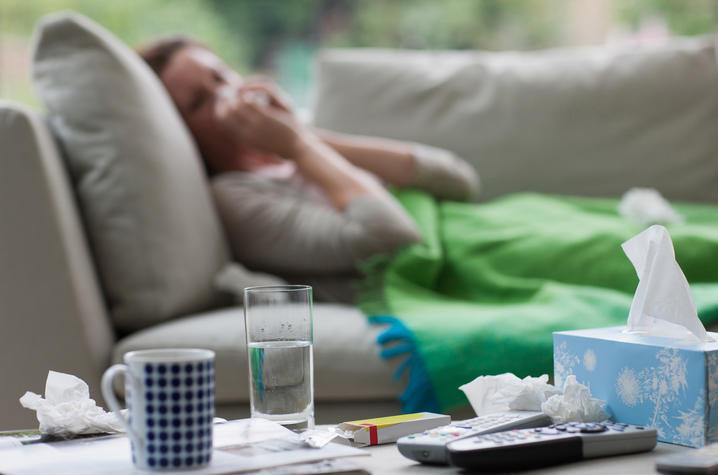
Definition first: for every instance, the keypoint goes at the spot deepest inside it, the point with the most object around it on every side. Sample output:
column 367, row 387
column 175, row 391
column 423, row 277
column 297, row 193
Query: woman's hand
column 265, row 127
column 263, row 84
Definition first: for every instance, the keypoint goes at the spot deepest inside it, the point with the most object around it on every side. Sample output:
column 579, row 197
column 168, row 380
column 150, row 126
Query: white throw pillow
column 589, row 121
column 155, row 234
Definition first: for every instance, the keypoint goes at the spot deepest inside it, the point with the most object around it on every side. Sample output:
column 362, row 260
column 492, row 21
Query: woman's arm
column 404, row 164
column 390, row 160
column 396, row 163
column 341, row 180
column 274, row 129
column 277, row 228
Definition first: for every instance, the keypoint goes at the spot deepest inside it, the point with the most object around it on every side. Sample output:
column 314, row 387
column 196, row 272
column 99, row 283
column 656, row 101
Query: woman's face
column 193, row 77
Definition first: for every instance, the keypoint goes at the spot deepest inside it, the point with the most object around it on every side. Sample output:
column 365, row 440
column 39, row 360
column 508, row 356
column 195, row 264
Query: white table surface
column 386, row 459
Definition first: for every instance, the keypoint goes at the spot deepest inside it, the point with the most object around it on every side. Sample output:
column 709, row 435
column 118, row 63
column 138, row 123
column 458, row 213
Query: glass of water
column 278, row 322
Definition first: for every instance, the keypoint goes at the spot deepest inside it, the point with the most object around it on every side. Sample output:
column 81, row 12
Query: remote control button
column 593, row 428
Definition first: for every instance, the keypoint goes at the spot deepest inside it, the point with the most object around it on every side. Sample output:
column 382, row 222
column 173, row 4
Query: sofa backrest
column 589, row 121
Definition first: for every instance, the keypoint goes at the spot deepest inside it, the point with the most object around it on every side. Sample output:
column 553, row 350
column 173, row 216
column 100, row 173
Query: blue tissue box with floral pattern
column 666, row 383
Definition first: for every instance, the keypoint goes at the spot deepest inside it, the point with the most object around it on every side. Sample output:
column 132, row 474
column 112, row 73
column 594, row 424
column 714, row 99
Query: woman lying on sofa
column 302, row 203
column 489, row 282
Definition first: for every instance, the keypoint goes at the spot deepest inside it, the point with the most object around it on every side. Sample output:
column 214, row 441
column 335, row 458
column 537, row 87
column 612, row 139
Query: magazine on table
column 245, row 445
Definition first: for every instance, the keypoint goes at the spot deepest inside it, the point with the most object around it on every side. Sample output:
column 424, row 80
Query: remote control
column 558, row 443
column 703, row 460
column 430, row 446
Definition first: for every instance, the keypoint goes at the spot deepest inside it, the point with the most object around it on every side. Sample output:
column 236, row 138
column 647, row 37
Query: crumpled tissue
column 67, row 409
column 663, row 304
column 574, row 405
column 506, row 392
column 646, row 206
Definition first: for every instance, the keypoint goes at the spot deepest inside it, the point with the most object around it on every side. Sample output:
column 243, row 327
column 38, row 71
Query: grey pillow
column 156, row 237
column 587, row 121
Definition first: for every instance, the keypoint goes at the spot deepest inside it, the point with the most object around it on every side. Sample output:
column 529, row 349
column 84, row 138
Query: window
column 280, row 38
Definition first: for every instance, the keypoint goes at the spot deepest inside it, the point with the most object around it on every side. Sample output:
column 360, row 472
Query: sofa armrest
column 51, row 307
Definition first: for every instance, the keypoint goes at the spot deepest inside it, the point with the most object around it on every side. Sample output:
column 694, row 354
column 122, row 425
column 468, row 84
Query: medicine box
column 383, row 430
column 665, row 383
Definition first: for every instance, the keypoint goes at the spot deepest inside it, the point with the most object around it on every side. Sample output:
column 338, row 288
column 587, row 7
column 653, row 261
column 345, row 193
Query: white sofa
column 54, row 315
column 85, row 278
column 592, row 122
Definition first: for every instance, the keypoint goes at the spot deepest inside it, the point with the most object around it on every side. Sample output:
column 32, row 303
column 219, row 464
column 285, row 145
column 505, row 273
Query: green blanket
column 491, row 282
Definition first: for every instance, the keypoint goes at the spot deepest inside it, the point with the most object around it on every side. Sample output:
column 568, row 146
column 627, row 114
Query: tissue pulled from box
column 646, row 206
column 575, row 404
column 506, row 392
column 663, row 304
column 67, row 409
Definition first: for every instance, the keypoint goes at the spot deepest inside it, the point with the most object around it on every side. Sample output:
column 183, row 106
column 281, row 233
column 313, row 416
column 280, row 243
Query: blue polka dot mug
column 170, row 397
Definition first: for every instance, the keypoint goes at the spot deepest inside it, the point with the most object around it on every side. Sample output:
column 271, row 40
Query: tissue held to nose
column 67, row 409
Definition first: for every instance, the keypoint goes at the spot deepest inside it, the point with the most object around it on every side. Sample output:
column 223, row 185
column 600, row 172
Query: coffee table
column 386, row 460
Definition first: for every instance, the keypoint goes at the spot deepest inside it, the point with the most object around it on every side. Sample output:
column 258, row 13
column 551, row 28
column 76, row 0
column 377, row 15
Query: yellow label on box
column 390, row 420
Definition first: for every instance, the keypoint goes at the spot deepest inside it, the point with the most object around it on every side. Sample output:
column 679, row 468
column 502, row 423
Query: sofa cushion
column 347, row 365
column 154, row 232
column 589, row 121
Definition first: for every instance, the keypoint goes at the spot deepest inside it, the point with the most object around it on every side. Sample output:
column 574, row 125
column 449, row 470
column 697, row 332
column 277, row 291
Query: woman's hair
column 158, row 52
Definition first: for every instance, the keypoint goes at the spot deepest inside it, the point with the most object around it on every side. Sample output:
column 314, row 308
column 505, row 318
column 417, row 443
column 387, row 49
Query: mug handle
column 108, row 392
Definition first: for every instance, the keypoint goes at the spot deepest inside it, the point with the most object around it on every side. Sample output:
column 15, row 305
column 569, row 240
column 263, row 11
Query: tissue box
column 665, row 383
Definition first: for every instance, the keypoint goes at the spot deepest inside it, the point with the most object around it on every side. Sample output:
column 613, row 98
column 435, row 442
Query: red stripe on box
column 373, row 435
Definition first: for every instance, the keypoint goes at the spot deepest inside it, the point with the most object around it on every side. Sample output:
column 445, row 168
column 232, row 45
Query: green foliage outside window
column 280, row 37
column 683, row 17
